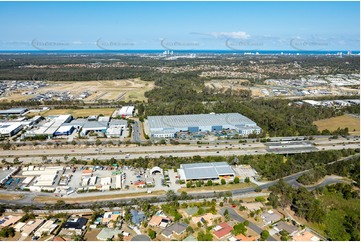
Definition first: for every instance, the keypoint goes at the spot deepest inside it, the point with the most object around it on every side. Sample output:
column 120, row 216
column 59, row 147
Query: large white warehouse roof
column 195, row 120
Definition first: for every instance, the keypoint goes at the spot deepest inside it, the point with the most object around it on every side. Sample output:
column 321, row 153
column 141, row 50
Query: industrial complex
column 168, row 126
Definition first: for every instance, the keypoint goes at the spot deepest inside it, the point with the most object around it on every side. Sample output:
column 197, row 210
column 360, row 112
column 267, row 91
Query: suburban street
column 234, row 215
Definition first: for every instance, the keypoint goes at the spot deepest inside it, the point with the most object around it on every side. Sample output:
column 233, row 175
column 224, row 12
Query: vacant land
column 43, row 199
column 81, row 112
column 227, row 187
column 344, row 121
column 117, row 90
column 10, row 196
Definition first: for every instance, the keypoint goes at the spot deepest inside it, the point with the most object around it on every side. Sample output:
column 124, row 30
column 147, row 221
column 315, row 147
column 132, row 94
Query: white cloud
column 231, row 35
column 227, row 35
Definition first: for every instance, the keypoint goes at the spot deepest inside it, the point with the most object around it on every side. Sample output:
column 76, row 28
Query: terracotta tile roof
column 58, row 238
column 155, row 220
column 223, row 231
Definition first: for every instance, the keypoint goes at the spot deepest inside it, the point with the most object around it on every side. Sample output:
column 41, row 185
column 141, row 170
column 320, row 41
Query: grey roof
column 190, row 238
column 167, row 232
column 286, row 227
column 95, row 124
column 13, row 111
column 195, row 120
column 140, row 237
column 176, row 228
column 271, row 217
column 118, row 122
column 107, row 233
column 210, row 170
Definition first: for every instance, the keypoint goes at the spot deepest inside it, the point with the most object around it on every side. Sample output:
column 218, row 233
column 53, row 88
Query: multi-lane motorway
column 35, row 155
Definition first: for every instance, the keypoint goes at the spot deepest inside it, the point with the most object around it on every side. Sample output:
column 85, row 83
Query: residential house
column 74, row 225
column 270, row 217
column 290, row 229
column 222, row 231
column 305, row 235
column 159, row 221
column 107, row 234
column 175, row 229
column 9, row 220
column 209, row 217
column 108, row 217
column 31, row 226
column 137, row 217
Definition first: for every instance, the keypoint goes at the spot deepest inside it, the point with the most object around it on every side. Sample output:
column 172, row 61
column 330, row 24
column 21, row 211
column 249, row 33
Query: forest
column 349, row 168
column 334, row 210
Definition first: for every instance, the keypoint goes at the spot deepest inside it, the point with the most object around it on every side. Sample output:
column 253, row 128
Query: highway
column 102, row 153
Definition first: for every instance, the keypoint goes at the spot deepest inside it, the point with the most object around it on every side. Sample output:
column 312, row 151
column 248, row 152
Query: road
column 36, row 155
column 136, row 133
column 29, row 196
column 234, row 215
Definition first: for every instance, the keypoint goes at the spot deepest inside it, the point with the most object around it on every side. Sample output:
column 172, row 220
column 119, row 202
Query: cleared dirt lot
column 344, row 121
column 226, row 187
column 128, row 89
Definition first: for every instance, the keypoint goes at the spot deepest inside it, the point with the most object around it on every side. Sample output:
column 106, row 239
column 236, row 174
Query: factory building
column 116, row 128
column 126, row 111
column 168, row 126
column 8, row 129
column 13, row 111
column 205, row 171
column 51, row 125
column 41, row 177
column 64, row 130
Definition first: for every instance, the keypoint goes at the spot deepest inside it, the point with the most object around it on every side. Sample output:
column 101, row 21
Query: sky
column 179, row 25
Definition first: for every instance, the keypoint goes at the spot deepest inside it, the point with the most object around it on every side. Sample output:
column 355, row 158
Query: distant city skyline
column 299, row 26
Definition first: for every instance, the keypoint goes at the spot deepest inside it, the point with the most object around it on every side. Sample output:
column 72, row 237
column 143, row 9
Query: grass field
column 43, row 199
column 81, row 112
column 226, row 187
column 10, row 196
column 344, row 121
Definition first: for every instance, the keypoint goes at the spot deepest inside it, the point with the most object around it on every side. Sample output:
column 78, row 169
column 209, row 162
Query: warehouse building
column 42, row 176
column 168, row 126
column 51, row 125
column 116, row 128
column 8, row 129
column 126, row 111
column 205, row 171
column 64, row 130
column 13, row 111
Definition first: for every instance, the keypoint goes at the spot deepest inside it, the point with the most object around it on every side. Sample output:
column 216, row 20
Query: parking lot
column 243, row 171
